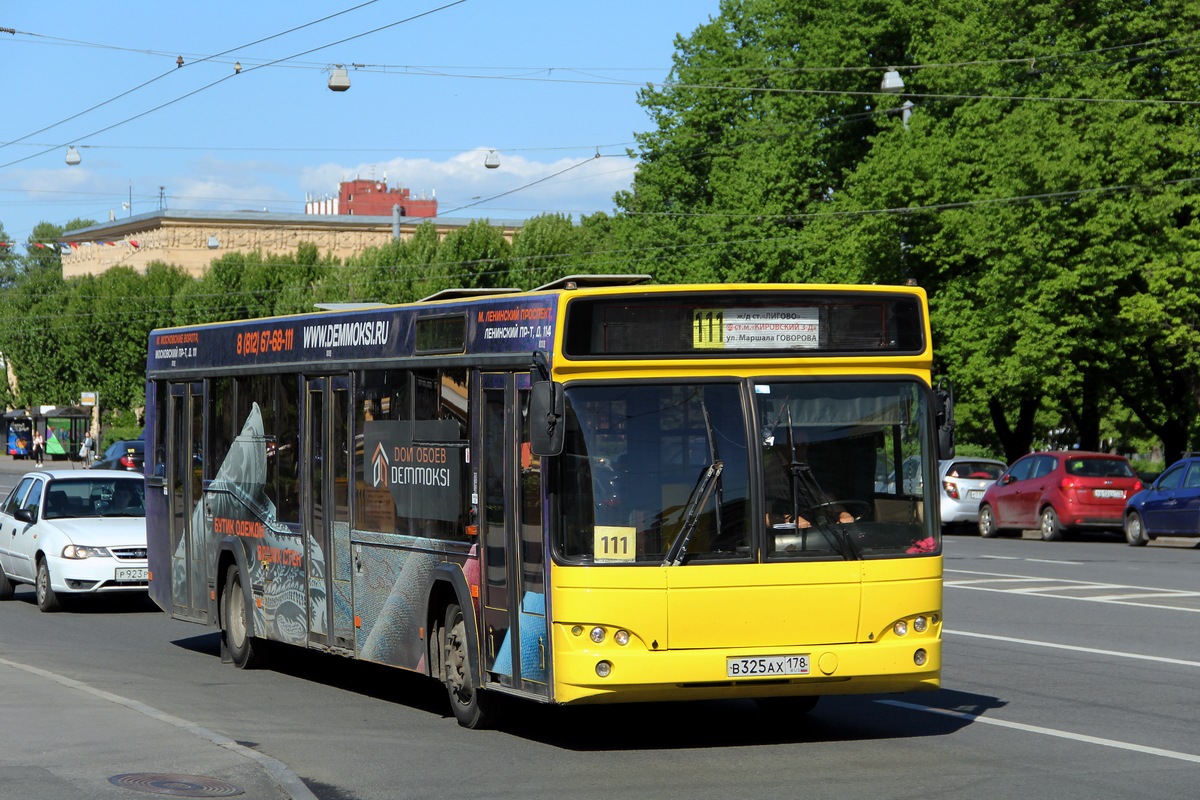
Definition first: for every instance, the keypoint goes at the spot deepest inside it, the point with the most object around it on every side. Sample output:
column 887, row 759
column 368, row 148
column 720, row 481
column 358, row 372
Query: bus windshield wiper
column 705, row 484
column 806, row 488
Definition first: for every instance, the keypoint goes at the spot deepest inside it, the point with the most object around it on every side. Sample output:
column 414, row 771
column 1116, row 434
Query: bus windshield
column 677, row 473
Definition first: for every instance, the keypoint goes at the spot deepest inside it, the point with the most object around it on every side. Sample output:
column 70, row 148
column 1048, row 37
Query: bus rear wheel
column 235, row 623
column 473, row 707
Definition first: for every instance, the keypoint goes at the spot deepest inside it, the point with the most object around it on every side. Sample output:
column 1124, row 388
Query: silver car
column 962, row 484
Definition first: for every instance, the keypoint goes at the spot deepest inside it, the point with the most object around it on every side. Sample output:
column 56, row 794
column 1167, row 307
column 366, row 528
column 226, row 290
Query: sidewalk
column 64, row 740
column 22, row 465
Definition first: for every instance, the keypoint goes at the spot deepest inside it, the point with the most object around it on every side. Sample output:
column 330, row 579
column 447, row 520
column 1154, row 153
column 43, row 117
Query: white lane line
column 1137, row 595
column 1053, row 561
column 1076, row 648
column 1019, row 726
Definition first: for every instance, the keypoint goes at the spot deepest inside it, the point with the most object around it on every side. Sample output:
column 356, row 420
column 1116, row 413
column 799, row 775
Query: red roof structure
column 369, row 198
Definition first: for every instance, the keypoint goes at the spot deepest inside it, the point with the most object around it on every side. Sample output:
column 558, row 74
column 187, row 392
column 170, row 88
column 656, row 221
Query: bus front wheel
column 235, row 623
column 472, row 706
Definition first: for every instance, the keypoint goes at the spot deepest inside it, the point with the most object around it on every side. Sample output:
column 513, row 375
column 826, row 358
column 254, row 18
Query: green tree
column 544, row 249
column 476, row 256
column 1041, row 190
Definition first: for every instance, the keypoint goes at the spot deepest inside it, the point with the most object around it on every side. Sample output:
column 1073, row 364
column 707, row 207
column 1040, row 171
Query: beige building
column 193, row 239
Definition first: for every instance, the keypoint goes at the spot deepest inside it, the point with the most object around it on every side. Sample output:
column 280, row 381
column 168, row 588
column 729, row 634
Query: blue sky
column 435, row 85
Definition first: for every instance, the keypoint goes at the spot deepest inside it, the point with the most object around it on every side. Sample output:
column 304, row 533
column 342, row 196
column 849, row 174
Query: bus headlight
column 920, row 657
column 604, row 668
column 597, row 634
column 901, row 628
column 621, row 638
column 920, row 624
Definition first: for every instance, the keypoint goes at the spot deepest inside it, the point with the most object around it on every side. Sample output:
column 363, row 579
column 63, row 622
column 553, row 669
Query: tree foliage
column 1042, row 190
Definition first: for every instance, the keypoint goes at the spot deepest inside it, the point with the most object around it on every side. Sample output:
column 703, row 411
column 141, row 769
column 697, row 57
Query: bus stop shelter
column 63, row 427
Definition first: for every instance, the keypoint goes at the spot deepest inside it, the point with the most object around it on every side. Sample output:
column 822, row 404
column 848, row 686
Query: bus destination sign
column 755, row 328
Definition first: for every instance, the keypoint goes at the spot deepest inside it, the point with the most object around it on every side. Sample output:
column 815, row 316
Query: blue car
column 1168, row 507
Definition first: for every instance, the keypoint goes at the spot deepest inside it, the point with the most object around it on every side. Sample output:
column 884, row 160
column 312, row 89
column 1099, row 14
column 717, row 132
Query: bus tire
column 472, row 706
column 235, row 623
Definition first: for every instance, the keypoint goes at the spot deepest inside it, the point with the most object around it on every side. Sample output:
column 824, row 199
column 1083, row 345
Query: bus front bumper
column 610, row 673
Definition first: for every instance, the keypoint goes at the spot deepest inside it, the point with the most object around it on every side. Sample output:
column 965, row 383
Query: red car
column 1057, row 492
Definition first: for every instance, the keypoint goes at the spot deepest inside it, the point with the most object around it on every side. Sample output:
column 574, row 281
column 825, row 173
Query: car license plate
column 1109, row 493
column 131, row 573
column 975, row 494
column 765, row 666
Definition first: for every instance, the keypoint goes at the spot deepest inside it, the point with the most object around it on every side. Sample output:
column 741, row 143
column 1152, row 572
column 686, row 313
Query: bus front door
column 327, row 543
column 184, row 465
column 515, row 641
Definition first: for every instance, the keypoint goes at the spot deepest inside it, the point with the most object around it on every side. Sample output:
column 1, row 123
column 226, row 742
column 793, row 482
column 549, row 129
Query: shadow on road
column 690, row 725
column 116, row 603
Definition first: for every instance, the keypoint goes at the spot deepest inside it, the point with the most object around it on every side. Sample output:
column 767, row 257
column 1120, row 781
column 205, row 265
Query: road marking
column 1068, row 589
column 1020, row 726
column 1076, row 648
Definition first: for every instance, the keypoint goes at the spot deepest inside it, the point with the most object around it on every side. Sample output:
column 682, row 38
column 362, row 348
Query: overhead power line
column 243, row 71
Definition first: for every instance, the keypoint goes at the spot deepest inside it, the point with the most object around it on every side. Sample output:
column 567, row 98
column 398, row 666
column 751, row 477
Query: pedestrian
column 85, row 449
column 39, row 445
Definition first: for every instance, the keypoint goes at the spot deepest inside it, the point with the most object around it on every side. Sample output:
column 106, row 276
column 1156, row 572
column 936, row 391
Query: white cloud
column 569, row 185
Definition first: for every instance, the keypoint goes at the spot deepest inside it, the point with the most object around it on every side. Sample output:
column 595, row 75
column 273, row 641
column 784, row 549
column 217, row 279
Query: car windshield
column 1099, row 468
column 676, row 473
column 102, row 497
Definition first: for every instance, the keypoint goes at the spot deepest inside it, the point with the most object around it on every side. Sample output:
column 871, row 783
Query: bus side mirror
column 944, row 409
column 546, row 426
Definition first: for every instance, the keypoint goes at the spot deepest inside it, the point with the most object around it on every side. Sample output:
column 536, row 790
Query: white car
column 74, row 532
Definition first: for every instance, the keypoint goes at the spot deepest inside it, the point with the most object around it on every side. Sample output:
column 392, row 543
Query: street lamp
column 339, row 79
column 492, row 159
column 892, row 82
column 73, row 158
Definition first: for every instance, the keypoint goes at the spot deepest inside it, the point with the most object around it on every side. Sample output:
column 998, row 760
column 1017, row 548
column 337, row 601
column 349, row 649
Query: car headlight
column 77, row 551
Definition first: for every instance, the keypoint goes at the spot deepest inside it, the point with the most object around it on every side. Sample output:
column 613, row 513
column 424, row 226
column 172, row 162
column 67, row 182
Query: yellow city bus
column 597, row 491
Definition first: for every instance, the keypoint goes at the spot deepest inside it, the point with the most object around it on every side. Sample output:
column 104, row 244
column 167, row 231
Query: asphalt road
column 1070, row 672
